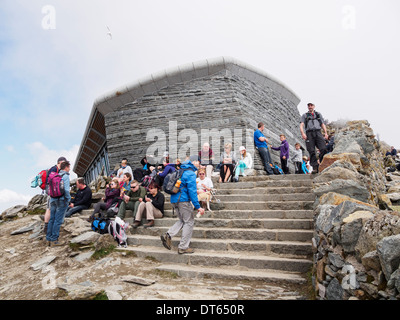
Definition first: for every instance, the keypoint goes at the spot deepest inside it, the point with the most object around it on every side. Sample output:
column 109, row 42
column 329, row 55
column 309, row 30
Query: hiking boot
column 166, row 240
column 136, row 224
column 58, row 243
column 183, row 251
column 149, row 224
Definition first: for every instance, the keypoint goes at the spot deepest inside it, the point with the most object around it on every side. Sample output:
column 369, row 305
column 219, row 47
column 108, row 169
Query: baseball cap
column 61, row 159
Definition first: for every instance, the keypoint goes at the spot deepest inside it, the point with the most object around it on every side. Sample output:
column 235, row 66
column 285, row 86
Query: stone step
column 270, row 190
column 221, row 259
column 271, row 276
column 264, row 184
column 234, row 214
column 262, row 205
column 253, row 195
column 266, row 197
column 289, row 249
column 255, row 214
column 205, row 222
column 280, row 177
column 235, row 233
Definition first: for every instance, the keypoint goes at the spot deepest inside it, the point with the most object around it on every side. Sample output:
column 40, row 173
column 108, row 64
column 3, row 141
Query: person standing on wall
column 311, row 124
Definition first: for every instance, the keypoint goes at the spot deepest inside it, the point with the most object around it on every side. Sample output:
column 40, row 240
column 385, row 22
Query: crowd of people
column 140, row 189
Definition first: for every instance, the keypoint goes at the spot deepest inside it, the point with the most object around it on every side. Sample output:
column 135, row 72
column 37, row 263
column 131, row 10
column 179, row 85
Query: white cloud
column 12, row 196
column 9, row 198
column 43, row 157
column 10, row 148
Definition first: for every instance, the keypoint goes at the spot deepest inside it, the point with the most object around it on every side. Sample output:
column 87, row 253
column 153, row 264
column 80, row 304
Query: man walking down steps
column 182, row 203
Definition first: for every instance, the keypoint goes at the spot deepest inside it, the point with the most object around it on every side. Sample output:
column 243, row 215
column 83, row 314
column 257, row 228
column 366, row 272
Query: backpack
column 100, row 225
column 56, row 185
column 310, row 117
column 278, row 169
column 40, row 180
column 146, row 182
column 113, row 210
column 171, row 179
column 117, row 229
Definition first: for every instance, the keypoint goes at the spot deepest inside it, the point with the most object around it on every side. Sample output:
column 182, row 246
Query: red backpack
column 56, row 185
column 42, row 179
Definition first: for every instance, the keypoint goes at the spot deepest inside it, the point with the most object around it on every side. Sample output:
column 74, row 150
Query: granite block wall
column 216, row 109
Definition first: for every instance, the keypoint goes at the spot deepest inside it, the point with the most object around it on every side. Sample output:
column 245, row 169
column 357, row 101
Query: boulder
column 383, row 224
column 82, row 291
column 138, row 280
column 330, row 174
column 324, row 220
column 389, row 254
column 43, row 262
column 86, row 238
column 334, row 291
column 76, row 226
column 346, row 187
column 330, row 158
column 371, row 261
column 12, row 212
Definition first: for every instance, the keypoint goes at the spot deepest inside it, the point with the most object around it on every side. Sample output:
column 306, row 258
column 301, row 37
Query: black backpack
column 309, row 117
column 171, row 179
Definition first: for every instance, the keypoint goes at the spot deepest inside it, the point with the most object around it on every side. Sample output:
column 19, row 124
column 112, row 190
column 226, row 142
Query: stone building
column 176, row 110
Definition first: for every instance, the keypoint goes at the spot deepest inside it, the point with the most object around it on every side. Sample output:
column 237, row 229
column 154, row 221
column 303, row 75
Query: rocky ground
column 30, row 270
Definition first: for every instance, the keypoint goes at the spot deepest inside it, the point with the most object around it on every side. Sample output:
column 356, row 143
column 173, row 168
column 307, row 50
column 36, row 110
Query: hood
column 187, row 164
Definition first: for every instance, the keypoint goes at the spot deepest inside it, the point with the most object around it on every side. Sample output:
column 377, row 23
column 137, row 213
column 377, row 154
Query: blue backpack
column 100, row 225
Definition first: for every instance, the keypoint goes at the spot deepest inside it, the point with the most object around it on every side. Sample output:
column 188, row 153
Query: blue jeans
column 266, row 159
column 71, row 211
column 58, row 207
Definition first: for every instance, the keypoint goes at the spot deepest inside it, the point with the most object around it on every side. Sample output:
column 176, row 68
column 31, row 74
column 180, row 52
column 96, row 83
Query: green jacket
column 135, row 195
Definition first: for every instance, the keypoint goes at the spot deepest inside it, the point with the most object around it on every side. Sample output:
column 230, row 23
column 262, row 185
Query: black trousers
column 284, row 166
column 315, row 139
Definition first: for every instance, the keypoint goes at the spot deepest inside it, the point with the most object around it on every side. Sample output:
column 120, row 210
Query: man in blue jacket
column 182, row 203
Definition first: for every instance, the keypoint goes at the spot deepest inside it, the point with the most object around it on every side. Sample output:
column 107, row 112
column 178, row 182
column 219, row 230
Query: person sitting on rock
column 132, row 199
column 112, row 194
column 82, row 200
column 152, row 206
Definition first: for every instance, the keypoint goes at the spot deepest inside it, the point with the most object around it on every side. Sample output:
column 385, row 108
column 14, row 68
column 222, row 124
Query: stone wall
column 187, row 114
column 356, row 241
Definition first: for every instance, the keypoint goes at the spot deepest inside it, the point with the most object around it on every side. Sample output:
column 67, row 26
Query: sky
column 56, row 59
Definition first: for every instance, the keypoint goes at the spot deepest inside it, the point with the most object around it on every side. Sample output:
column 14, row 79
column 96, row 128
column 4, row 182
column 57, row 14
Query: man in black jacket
column 82, row 200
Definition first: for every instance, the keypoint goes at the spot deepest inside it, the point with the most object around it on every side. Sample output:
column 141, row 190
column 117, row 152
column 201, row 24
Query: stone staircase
column 263, row 233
